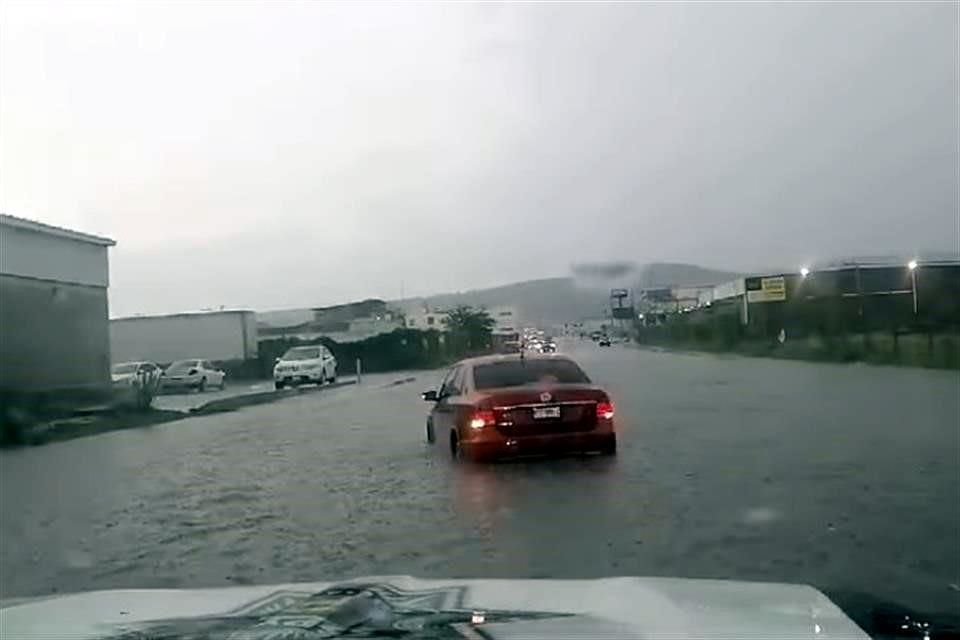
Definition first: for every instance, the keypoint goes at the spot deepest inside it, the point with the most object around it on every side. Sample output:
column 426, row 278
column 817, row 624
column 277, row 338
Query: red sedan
column 516, row 405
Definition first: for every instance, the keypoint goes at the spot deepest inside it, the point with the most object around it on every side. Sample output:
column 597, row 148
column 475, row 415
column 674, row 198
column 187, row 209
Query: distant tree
column 470, row 327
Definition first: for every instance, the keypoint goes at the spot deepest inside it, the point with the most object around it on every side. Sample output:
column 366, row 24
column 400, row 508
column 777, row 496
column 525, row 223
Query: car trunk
column 544, row 410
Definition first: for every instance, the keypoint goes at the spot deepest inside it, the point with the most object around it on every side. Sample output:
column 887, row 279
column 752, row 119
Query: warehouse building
column 54, row 331
column 227, row 336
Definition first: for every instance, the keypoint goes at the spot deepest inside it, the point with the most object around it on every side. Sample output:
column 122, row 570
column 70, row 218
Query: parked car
column 604, row 341
column 511, row 405
column 192, row 374
column 128, row 373
column 135, row 383
column 305, row 365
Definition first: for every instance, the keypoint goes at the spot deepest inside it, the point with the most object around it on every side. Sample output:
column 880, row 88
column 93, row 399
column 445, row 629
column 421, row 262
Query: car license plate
column 545, row 413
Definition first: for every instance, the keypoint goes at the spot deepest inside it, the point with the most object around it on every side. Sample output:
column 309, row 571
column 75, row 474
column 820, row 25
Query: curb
column 397, row 383
column 263, row 397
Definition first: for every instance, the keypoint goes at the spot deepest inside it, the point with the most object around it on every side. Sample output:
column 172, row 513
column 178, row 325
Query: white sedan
column 129, row 373
column 193, row 374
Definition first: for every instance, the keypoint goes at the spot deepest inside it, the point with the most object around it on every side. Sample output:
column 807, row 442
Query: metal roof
column 182, row 314
column 49, row 229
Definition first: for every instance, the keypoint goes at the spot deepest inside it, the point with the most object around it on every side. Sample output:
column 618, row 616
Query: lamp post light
column 804, row 271
column 912, row 266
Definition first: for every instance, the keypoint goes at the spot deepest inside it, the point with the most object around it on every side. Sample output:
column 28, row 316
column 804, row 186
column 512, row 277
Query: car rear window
column 516, row 373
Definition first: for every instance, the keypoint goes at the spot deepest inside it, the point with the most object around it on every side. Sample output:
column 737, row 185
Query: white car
column 305, row 365
column 193, row 374
column 128, row 373
column 404, row 607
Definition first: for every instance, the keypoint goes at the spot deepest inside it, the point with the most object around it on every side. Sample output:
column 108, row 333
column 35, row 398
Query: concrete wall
column 220, row 335
column 49, row 257
column 52, row 334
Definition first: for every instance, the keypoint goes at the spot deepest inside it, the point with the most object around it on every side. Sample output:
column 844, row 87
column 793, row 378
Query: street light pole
column 912, row 265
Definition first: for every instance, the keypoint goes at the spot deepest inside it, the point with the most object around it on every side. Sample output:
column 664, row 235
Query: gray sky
column 293, row 154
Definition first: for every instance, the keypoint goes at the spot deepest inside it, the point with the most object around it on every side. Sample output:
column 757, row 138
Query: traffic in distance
column 534, row 402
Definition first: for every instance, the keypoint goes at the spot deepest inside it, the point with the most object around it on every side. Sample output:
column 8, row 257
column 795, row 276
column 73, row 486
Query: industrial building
column 53, row 308
column 220, row 336
column 349, row 322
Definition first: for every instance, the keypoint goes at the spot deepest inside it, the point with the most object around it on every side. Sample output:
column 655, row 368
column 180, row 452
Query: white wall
column 214, row 336
column 32, row 254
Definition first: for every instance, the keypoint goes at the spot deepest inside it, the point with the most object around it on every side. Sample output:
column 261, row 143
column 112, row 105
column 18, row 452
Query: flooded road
column 844, row 477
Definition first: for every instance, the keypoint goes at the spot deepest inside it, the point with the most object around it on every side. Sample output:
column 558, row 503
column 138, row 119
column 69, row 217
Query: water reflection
column 491, row 495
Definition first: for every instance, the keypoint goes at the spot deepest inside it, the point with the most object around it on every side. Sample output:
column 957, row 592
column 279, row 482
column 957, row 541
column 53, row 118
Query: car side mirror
column 430, row 396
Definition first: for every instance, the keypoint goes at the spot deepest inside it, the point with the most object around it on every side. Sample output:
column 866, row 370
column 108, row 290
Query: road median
column 250, row 399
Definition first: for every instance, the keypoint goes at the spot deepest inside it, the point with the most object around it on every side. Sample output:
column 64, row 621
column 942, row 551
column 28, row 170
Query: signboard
column 623, row 313
column 771, row 289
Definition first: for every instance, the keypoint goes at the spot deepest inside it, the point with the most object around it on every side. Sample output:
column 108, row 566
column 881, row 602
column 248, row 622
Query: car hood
column 405, row 607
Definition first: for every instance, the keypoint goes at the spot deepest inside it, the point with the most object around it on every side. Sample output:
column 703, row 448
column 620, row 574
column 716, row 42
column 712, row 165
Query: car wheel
column 609, row 448
column 277, row 385
column 202, row 385
column 332, row 379
column 223, row 383
column 431, row 438
column 323, row 377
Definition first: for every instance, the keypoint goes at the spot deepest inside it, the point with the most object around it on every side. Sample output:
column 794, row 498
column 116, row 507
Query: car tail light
column 605, row 410
column 482, row 419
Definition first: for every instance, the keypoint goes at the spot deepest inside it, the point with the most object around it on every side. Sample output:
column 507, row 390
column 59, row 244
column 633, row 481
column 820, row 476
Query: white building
column 506, row 318
column 427, row 319
column 222, row 336
column 53, row 307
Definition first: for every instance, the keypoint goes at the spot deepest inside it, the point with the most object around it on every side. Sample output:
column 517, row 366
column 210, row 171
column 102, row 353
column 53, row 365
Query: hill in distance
column 557, row 300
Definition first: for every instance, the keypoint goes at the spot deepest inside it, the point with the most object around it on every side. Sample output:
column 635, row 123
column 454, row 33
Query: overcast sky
column 296, row 154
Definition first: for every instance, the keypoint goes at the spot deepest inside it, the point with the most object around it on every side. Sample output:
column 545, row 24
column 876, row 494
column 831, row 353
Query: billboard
column 768, row 289
column 624, row 313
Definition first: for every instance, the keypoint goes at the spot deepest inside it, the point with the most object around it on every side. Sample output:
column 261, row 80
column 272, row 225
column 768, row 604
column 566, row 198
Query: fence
column 876, row 314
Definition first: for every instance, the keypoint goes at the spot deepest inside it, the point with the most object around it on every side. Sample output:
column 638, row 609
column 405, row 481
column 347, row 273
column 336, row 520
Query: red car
column 516, row 405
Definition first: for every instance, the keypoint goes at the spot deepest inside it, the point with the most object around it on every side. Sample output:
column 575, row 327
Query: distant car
column 506, row 406
column 604, row 341
column 192, row 374
column 549, row 347
column 128, row 373
column 305, row 365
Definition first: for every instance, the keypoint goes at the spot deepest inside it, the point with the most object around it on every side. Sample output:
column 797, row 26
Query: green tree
column 470, row 328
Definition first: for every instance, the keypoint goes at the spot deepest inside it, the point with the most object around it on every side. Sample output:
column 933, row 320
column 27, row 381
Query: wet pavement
column 841, row 476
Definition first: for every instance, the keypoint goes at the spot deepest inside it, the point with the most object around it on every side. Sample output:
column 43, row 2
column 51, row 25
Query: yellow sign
column 773, row 289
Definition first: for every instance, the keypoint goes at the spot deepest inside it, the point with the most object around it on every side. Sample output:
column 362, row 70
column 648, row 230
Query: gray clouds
column 291, row 154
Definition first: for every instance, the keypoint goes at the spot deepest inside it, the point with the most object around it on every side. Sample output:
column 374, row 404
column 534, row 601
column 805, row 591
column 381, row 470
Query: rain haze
column 292, row 154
